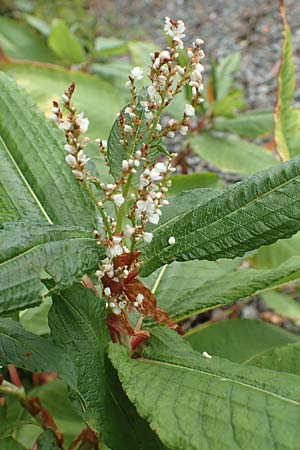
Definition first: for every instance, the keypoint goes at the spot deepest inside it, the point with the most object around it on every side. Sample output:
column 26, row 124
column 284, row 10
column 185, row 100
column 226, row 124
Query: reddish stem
column 14, row 376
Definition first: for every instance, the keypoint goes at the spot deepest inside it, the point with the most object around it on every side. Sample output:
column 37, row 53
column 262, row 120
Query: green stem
column 100, row 209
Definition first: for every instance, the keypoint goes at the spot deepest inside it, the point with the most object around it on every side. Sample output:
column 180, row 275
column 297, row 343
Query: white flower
column 65, row 98
column 127, row 129
column 140, row 298
column 82, row 158
column 148, row 237
column 78, row 174
column 180, row 70
column 175, row 30
column 55, row 109
column 189, row 110
column 69, row 148
column 161, row 167
column 153, row 95
column 206, row 355
column 136, row 73
column 107, row 291
column 65, row 125
column 114, row 250
column 116, row 310
column 125, row 165
column 82, row 122
column 118, row 199
column 71, row 161
column 171, row 240
column 164, row 55
column 183, row 130
column 129, row 231
column 154, row 218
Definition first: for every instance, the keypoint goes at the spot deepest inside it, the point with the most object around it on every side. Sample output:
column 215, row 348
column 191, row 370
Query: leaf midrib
column 221, row 378
column 31, row 249
column 27, row 185
column 227, row 216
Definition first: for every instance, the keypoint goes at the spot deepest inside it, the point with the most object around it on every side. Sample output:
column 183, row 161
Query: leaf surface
column 232, row 155
column 254, row 212
column 33, row 353
column 239, row 340
column 30, row 253
column 287, row 120
column 196, row 403
column 77, row 321
column 249, row 125
column 64, row 44
column 35, row 180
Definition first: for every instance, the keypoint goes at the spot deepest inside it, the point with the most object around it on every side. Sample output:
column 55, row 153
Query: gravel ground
column 252, row 27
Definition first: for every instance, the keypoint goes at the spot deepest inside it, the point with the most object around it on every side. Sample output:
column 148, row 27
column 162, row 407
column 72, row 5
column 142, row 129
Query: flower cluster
column 139, row 191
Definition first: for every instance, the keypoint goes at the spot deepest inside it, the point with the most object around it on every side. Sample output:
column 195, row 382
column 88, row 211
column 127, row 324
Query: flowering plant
column 125, row 264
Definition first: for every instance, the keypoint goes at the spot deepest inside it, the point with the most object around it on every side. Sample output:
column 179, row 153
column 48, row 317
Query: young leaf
column 194, row 181
column 232, row 155
column 28, row 251
column 269, row 256
column 287, row 120
column 65, row 44
column 34, row 353
column 249, row 125
column 239, row 340
column 77, row 321
column 224, row 74
column 214, row 284
column 254, row 212
column 228, row 105
column 33, row 170
column 197, row 403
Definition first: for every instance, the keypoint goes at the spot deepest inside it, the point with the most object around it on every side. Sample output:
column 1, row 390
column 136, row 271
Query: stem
column 14, row 376
column 121, row 210
column 100, row 209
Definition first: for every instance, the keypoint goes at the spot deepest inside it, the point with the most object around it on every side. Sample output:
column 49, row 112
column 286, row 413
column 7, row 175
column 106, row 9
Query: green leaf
column 11, row 444
column 193, row 181
column 77, row 321
column 254, row 212
column 197, row 403
column 275, row 254
column 21, row 42
column 283, row 304
column 35, row 180
column 108, row 47
column 116, row 151
column 33, row 353
column 35, row 319
column 250, row 125
column 64, row 44
column 224, row 74
column 228, row 105
column 283, row 359
column 287, row 120
column 213, row 284
column 239, row 340
column 47, row 441
column 232, row 155
column 65, row 254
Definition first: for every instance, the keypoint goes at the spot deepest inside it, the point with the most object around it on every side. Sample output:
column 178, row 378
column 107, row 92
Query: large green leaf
column 33, row 353
column 30, row 253
column 232, row 155
column 77, row 321
column 200, row 285
column 35, row 180
column 239, row 340
column 228, row 105
column 287, row 120
column 64, row 43
column 249, row 125
column 11, row 444
column 254, row 212
column 197, row 403
column 20, row 41
column 47, row 441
